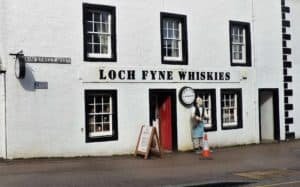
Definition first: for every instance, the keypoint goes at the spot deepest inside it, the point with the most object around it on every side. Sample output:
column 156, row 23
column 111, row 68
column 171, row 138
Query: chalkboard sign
column 148, row 142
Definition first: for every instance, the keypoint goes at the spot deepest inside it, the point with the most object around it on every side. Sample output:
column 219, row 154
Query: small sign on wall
column 40, row 85
column 47, row 60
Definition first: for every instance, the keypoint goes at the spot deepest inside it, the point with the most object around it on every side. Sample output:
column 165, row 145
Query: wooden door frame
column 275, row 92
column 172, row 94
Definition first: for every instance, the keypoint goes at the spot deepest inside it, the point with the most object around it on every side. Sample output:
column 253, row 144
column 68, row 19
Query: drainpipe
column 254, row 85
column 3, row 71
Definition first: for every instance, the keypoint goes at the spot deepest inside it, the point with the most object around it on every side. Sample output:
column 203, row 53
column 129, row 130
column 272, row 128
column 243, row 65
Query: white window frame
column 236, row 43
column 179, row 39
column 229, row 107
column 93, row 114
column 100, row 33
column 208, row 109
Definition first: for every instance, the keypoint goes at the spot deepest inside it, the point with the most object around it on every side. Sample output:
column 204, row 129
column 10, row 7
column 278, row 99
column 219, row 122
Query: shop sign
column 144, row 74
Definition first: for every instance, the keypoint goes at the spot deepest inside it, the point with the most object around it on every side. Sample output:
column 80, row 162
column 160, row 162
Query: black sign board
column 40, row 85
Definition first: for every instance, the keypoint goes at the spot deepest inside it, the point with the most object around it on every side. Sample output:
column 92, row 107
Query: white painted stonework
column 51, row 122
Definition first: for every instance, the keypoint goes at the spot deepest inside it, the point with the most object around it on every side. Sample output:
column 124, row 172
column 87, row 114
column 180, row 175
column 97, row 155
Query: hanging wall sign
column 47, row 60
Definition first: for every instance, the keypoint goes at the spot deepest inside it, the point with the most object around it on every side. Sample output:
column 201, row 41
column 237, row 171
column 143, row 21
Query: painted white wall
column 45, row 123
column 268, row 37
column 295, row 58
column 2, row 114
column 267, row 116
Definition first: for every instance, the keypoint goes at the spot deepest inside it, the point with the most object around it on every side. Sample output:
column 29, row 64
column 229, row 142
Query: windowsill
column 95, row 55
column 231, row 127
column 99, row 134
column 175, row 59
column 240, row 64
column 89, row 59
column 174, row 62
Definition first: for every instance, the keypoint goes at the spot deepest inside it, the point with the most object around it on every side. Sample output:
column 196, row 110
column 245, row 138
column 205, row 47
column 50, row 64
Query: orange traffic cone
column 206, row 153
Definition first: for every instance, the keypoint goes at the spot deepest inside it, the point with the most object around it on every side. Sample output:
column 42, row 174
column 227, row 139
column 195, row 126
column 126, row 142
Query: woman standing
column 198, row 116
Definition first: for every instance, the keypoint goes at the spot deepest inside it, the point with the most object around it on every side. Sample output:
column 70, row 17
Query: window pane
column 96, row 38
column 97, row 48
column 165, row 25
column 175, row 24
column 106, row 127
column 165, row 33
column 169, row 44
column 89, row 26
column 235, row 30
column 104, row 49
column 99, row 109
column 241, row 31
column 89, row 38
column 104, row 40
column 241, row 39
column 169, row 52
column 104, row 27
column 97, row 27
column 89, row 16
column 175, row 53
column 105, row 118
column 171, row 34
column 106, row 99
column 175, row 44
column 98, row 128
column 97, row 16
column 177, row 34
column 106, row 108
column 89, row 48
column 104, row 17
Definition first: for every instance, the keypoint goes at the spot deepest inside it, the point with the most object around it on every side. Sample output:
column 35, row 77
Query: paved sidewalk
column 263, row 164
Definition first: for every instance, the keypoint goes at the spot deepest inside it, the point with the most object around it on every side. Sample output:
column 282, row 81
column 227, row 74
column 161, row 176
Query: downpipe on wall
column 3, row 71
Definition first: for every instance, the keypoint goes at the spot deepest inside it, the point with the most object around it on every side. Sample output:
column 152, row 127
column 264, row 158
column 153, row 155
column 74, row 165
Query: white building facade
column 96, row 71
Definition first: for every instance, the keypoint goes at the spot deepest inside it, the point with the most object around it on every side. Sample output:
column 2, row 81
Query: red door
column 165, row 129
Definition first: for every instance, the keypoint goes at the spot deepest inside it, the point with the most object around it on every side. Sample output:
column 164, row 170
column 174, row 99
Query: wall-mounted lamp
column 20, row 66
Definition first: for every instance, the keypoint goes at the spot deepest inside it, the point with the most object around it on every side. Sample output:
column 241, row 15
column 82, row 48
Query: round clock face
column 20, row 67
column 187, row 95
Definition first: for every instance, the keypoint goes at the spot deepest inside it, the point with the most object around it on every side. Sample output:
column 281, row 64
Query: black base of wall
column 290, row 136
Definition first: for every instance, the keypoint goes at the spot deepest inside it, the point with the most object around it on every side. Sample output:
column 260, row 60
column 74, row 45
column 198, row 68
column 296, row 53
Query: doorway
column 269, row 115
column 163, row 116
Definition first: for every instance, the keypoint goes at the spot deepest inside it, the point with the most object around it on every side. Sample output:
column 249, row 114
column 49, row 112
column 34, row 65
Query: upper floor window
column 173, row 39
column 231, row 108
column 99, row 33
column 240, row 44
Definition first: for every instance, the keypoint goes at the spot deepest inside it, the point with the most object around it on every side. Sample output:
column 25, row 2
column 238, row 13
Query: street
column 276, row 164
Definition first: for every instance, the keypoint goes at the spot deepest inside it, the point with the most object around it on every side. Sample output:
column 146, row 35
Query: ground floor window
column 231, row 108
column 209, row 101
column 101, row 115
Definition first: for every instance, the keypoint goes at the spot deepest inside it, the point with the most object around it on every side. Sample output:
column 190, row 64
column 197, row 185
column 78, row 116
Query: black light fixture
column 20, row 66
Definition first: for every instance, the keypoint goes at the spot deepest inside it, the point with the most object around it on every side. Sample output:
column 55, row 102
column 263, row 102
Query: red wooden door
column 165, row 129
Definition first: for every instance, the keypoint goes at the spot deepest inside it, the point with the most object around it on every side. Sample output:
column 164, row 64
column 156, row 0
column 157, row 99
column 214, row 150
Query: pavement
column 262, row 165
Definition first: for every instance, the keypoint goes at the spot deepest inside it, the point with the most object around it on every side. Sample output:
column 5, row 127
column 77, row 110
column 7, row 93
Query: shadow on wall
column 29, row 80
